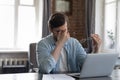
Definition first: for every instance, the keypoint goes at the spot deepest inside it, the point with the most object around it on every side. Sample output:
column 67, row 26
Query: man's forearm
column 56, row 51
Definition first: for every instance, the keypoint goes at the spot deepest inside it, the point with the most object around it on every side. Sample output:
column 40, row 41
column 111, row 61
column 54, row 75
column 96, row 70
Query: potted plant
column 112, row 39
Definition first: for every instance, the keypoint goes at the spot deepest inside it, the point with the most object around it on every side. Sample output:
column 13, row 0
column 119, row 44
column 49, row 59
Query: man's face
column 58, row 30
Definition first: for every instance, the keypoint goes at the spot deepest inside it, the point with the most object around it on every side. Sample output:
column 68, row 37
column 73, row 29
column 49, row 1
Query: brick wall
column 76, row 19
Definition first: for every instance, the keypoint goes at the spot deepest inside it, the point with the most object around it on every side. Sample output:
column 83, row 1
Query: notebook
column 57, row 77
column 97, row 65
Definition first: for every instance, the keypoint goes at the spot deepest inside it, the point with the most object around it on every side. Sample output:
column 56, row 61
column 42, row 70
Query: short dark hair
column 56, row 20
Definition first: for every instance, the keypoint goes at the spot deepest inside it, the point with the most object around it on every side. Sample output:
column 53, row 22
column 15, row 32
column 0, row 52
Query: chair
column 32, row 57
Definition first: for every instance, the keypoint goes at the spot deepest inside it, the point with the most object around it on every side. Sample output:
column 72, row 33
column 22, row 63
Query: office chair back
column 32, row 55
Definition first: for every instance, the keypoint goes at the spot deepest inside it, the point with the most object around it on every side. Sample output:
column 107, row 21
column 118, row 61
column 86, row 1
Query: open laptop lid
column 97, row 65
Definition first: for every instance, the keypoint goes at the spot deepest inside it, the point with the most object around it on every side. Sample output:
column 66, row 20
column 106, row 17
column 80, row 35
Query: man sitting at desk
column 58, row 52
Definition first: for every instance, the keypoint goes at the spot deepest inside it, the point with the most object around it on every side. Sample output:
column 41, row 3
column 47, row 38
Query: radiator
column 13, row 61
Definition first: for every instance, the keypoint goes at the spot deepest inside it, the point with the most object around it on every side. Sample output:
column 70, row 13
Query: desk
column 34, row 76
column 19, row 76
column 114, row 76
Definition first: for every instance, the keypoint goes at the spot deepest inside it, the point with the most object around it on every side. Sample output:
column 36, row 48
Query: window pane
column 107, row 1
column 26, row 26
column 27, row 2
column 7, row 2
column 6, row 26
column 110, row 25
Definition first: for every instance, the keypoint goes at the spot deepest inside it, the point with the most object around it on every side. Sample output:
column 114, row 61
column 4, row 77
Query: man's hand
column 61, row 39
column 63, row 36
column 96, row 42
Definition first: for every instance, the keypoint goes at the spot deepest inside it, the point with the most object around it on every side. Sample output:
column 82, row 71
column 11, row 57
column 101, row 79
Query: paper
column 57, row 77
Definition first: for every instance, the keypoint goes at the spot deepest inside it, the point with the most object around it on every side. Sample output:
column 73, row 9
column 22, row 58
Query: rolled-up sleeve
column 81, row 54
column 45, row 60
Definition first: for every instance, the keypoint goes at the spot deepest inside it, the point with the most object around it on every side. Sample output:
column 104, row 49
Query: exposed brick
column 76, row 19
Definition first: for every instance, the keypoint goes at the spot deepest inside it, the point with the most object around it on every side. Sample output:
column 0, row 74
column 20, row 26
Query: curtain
column 90, row 21
column 46, row 15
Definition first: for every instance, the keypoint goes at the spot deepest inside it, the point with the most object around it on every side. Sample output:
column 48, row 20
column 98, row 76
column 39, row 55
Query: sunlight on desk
column 19, row 76
column 35, row 76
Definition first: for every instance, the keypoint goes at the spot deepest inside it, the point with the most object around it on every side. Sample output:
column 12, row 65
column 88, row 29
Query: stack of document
column 57, row 77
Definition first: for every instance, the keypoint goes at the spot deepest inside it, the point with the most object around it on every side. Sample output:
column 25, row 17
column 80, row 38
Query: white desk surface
column 34, row 76
column 19, row 76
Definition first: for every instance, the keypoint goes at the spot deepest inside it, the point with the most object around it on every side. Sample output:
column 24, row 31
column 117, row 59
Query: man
column 58, row 52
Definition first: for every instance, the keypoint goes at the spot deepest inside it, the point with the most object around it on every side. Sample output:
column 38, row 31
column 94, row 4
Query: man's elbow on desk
column 45, row 69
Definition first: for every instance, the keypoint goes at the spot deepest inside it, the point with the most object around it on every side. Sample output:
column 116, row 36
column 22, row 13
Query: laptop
column 97, row 65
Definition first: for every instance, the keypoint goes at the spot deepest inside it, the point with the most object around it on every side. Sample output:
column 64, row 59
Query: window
column 19, row 23
column 112, row 25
